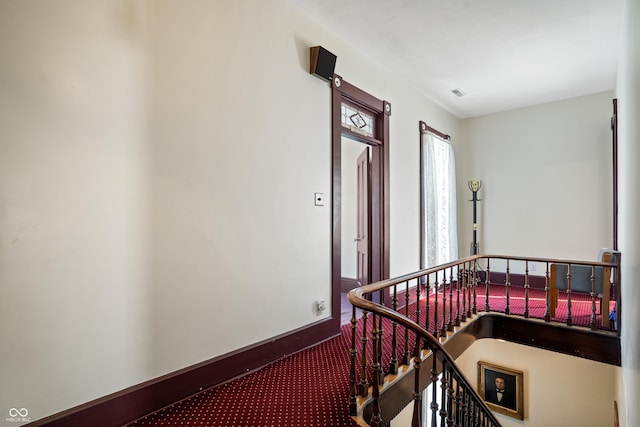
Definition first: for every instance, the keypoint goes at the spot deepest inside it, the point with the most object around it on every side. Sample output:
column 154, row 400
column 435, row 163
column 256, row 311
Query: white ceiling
column 503, row 54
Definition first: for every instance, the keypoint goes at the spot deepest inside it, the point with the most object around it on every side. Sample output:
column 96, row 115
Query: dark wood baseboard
column 496, row 278
column 516, row 279
column 347, row 283
column 137, row 401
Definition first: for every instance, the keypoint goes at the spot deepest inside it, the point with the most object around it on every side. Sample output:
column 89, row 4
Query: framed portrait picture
column 502, row 389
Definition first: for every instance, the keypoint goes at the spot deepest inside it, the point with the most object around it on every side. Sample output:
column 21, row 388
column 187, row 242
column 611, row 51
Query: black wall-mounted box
column 322, row 63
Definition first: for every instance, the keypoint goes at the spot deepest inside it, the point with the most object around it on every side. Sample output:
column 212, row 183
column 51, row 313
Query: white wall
column 74, row 202
column 242, row 143
column 628, row 93
column 240, row 147
column 546, row 174
column 158, row 166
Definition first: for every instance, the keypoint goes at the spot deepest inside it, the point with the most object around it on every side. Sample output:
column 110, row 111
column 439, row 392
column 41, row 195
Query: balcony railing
column 399, row 325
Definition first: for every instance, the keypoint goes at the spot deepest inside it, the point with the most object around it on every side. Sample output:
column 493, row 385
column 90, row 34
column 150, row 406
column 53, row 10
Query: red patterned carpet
column 311, row 388
column 288, row 393
column 581, row 304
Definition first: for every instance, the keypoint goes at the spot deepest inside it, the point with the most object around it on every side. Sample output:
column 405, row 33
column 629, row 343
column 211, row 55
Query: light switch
column 319, row 197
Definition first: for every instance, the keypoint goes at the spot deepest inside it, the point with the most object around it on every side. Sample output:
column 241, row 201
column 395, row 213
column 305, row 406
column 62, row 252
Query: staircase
column 413, row 327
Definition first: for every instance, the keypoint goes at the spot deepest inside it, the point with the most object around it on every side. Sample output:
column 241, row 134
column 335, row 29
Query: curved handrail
column 355, row 297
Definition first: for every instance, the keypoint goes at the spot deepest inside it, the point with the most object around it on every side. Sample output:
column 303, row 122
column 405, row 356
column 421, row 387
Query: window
column 357, row 120
column 439, row 229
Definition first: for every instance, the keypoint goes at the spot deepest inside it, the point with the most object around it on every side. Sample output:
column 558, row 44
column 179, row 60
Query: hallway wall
column 241, row 143
column 75, row 206
column 159, row 161
column 547, row 177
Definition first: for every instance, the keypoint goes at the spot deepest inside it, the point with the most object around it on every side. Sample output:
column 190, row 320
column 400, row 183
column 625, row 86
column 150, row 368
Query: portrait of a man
column 502, row 389
column 498, row 392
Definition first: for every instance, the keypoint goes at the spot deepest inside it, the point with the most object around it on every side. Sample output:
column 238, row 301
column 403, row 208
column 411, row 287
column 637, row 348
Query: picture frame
column 511, row 401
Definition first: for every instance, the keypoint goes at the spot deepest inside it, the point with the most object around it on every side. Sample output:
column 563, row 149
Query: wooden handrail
column 383, row 284
column 356, row 298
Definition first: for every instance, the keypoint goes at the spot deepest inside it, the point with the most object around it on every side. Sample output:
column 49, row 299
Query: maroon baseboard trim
column 137, row 401
column 498, row 278
column 347, row 283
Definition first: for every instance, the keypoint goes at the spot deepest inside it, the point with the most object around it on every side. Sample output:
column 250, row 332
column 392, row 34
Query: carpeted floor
column 288, row 393
column 311, row 388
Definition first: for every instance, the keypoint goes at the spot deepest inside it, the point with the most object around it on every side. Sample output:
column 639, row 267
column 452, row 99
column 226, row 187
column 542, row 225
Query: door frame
column 380, row 205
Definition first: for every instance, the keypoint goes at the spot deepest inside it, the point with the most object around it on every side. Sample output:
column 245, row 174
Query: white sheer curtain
column 440, row 231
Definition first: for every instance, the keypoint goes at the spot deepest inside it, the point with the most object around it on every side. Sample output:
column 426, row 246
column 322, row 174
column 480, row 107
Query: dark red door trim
column 380, row 205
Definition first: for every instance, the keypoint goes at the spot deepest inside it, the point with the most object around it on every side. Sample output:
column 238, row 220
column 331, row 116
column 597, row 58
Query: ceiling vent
column 458, row 92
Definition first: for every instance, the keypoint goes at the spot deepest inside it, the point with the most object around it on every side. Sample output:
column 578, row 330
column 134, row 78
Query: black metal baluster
column 434, row 390
column 393, row 362
column 376, row 416
column 436, row 330
column 363, row 386
column 443, row 329
column 569, row 317
column 474, row 285
column 379, row 347
column 487, row 281
column 450, row 395
column 593, row 297
column 459, row 275
column 406, row 355
column 459, row 402
column 443, row 394
column 451, row 320
column 353, row 389
column 417, row 309
column 417, row 395
column 475, row 414
column 464, row 277
column 507, row 309
column 547, row 310
column 526, row 289
column 427, row 318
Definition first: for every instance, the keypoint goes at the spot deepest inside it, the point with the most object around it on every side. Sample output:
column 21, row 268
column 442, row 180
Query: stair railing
column 448, row 295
